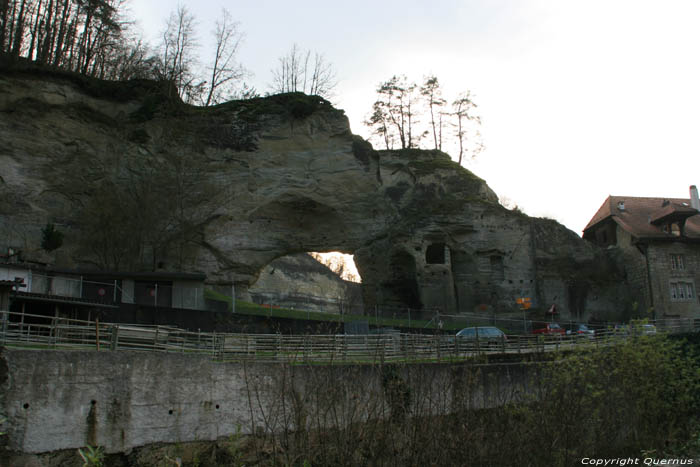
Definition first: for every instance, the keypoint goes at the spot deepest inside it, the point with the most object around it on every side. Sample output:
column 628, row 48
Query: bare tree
column 92, row 37
column 463, row 108
column 178, row 60
column 4, row 18
column 394, row 112
column 225, row 70
column 130, row 58
column 140, row 211
column 398, row 109
column 322, row 81
column 378, row 121
column 17, row 27
column 299, row 72
column 431, row 91
column 82, row 36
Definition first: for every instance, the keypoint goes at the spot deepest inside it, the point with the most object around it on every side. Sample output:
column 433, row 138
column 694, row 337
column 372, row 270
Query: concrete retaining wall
column 119, row 400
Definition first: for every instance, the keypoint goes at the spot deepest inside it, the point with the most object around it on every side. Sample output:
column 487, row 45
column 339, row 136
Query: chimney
column 694, row 200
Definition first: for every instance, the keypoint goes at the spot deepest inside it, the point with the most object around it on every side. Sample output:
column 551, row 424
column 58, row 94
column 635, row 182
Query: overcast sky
column 579, row 100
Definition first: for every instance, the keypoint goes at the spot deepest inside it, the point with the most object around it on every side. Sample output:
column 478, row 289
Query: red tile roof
column 635, row 215
column 671, row 212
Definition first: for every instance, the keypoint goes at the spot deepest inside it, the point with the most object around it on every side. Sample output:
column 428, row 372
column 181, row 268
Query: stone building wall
column 634, row 262
column 664, row 275
column 649, row 273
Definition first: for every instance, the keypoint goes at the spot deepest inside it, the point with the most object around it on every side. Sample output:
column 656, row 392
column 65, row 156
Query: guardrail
column 45, row 332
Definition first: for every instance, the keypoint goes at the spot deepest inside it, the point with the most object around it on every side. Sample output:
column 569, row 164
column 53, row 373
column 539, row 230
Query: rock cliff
column 137, row 180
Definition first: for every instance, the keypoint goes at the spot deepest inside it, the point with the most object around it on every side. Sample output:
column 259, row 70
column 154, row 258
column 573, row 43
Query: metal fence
column 45, row 332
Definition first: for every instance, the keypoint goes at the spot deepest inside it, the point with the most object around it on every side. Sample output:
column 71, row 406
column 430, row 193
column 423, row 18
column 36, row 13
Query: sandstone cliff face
column 227, row 190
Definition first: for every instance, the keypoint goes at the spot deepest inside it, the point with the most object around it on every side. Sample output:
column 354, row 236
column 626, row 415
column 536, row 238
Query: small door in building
column 101, row 289
column 153, row 293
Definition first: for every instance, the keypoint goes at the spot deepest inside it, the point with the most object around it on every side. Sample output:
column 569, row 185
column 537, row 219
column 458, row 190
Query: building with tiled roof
column 659, row 244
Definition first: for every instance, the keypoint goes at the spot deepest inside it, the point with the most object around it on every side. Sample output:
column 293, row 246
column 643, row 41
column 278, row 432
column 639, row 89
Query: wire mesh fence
column 46, row 332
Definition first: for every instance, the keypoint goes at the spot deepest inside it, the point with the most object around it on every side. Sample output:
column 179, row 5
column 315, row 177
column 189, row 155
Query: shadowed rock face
column 226, row 190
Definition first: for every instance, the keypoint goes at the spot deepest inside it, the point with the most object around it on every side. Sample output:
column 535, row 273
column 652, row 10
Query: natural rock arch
column 295, row 179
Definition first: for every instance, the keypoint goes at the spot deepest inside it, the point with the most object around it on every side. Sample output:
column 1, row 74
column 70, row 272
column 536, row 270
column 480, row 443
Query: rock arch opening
column 309, row 282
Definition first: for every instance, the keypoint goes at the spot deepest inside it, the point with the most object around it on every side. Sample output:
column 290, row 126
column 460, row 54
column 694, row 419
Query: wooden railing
column 45, row 332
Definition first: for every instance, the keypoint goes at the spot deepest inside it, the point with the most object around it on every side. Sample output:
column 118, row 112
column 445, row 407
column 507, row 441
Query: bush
column 51, row 239
column 625, row 400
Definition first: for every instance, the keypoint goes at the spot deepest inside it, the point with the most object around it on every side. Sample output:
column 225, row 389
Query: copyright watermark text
column 622, row 461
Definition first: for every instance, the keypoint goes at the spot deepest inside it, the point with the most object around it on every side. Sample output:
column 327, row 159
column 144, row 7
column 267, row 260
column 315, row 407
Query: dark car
column 548, row 329
column 580, row 330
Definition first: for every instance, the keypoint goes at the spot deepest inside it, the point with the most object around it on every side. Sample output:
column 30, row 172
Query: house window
column 682, row 291
column 677, row 263
column 689, row 290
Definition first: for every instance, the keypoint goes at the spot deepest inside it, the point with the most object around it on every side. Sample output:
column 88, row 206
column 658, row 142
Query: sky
column 578, row 100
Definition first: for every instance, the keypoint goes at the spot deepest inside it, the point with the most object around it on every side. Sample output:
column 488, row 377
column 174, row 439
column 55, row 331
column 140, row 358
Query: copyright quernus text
column 622, row 461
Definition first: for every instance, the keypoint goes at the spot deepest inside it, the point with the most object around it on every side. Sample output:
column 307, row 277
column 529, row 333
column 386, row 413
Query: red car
column 548, row 328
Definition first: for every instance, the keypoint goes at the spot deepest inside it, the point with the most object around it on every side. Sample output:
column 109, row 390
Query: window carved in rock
column 435, row 254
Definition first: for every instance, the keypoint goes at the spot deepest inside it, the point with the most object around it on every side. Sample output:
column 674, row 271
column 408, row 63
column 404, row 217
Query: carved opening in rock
column 464, row 270
column 497, row 270
column 435, row 254
column 577, row 292
column 401, row 290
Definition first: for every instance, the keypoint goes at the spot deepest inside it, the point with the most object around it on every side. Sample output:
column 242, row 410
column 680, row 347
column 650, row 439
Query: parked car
column 488, row 335
column 548, row 329
column 580, row 330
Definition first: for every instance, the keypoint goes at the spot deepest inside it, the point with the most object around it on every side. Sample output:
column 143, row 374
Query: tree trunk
column 10, row 39
column 58, row 50
column 84, row 41
column 461, row 136
column 432, row 121
column 44, row 51
column 4, row 8
column 70, row 43
column 35, row 33
column 19, row 31
column 92, row 48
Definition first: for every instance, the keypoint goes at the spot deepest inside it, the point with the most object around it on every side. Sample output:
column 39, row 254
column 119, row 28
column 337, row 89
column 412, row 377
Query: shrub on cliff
column 51, row 239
